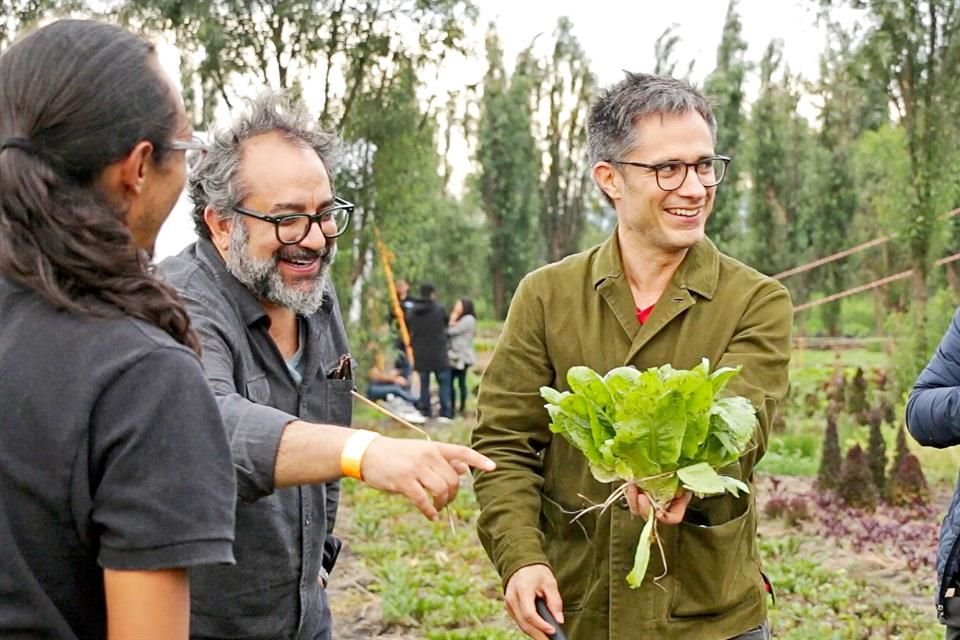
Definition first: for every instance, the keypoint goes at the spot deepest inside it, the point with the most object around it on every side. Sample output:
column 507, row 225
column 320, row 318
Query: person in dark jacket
column 933, row 418
column 427, row 322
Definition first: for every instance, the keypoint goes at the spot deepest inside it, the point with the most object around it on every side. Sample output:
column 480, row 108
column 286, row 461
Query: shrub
column 900, row 450
column 857, row 396
column 908, row 487
column 877, row 452
column 828, row 476
column 880, row 378
column 856, row 482
column 836, row 387
column 811, row 404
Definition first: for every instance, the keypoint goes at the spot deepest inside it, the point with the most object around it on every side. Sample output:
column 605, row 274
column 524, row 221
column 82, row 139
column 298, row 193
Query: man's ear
column 134, row 167
column 125, row 179
column 220, row 227
column 607, row 178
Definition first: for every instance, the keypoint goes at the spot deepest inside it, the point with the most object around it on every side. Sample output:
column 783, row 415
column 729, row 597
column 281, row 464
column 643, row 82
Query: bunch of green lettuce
column 661, row 428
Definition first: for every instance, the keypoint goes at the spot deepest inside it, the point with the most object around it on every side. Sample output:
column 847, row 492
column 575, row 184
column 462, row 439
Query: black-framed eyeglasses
column 195, row 147
column 292, row 228
column 671, row 175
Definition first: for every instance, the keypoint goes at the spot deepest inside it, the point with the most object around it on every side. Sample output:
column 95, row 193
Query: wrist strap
column 353, row 451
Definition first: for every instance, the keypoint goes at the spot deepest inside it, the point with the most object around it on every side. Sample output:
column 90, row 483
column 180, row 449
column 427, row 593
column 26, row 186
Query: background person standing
column 461, row 330
column 427, row 321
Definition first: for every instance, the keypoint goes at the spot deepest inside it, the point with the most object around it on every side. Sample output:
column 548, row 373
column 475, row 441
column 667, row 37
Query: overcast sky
column 621, row 35
column 615, row 36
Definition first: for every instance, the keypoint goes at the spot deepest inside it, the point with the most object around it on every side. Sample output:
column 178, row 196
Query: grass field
column 404, row 577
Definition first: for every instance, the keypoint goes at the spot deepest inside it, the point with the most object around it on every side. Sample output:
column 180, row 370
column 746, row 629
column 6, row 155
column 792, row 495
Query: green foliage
column 431, row 581
column 634, row 425
column 792, row 453
column 567, row 87
column 915, row 48
column 21, row 16
column 854, row 316
column 906, row 360
column 661, row 428
column 845, row 114
column 817, row 600
column 725, row 86
column 509, row 174
column 779, row 153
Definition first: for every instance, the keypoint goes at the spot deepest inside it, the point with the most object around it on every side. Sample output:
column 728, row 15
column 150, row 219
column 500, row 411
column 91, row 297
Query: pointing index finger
column 455, row 453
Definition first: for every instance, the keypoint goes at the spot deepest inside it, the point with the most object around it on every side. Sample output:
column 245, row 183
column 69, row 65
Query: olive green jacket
column 580, row 311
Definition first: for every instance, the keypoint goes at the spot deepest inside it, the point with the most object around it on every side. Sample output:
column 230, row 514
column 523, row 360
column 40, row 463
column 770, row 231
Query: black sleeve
column 162, row 480
column 933, row 408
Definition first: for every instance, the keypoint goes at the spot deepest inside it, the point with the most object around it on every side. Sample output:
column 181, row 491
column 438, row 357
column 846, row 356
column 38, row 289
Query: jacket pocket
column 569, row 549
column 257, row 389
column 339, row 404
column 716, row 566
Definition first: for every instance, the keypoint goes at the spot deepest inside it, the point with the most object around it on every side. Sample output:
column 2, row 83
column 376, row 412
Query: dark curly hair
column 75, row 97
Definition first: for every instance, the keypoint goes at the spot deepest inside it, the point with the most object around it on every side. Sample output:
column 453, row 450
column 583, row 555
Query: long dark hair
column 76, row 96
column 467, row 305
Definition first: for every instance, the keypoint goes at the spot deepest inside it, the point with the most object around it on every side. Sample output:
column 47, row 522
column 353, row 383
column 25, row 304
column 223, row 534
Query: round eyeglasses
column 671, row 175
column 292, row 228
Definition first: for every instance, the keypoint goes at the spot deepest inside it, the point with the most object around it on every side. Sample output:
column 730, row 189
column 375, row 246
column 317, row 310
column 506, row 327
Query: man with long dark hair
column 115, row 470
column 275, row 351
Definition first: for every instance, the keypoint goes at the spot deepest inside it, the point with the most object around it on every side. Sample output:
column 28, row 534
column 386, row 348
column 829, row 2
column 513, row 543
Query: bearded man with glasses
column 257, row 286
column 656, row 292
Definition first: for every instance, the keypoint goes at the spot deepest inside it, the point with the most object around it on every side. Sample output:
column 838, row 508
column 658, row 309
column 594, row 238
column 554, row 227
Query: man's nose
column 314, row 240
column 691, row 187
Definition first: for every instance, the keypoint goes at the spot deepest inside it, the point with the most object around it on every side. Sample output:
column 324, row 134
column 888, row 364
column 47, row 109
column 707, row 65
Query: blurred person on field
column 427, row 322
column 391, row 387
column 460, row 332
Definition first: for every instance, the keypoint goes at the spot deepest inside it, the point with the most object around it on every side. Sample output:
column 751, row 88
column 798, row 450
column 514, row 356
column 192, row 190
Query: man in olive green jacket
column 657, row 291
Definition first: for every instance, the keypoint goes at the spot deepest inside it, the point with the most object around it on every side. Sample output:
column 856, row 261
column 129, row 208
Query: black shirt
column 427, row 321
column 284, row 536
column 112, row 454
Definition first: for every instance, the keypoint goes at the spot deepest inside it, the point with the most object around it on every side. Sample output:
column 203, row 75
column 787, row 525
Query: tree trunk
column 953, row 278
column 499, row 290
column 919, row 286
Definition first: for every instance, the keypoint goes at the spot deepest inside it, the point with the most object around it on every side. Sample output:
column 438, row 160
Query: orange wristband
column 352, row 455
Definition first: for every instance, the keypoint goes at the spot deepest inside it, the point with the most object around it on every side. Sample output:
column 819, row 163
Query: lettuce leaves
column 661, row 428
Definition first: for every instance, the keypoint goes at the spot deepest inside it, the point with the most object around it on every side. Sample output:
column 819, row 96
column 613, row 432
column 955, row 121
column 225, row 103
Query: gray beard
column 263, row 278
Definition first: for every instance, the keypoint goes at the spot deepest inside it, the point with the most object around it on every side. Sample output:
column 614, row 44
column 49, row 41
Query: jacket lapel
column 698, row 274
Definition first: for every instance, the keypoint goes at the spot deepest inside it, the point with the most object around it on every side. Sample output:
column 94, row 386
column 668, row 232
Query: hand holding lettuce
column 661, row 428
